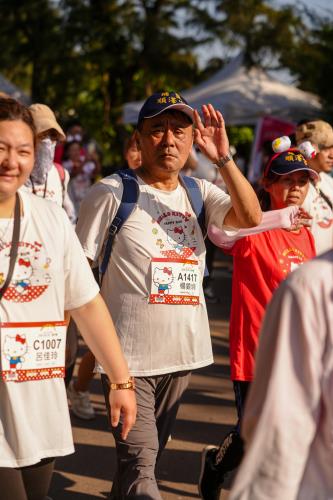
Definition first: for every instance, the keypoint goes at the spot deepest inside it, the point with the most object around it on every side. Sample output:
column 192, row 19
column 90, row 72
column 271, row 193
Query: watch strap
column 221, row 162
column 130, row 384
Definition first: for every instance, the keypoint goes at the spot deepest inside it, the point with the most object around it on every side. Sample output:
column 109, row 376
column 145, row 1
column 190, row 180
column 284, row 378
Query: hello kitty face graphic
column 175, row 234
column 176, row 237
column 162, row 279
column 22, row 274
column 15, row 347
column 31, row 275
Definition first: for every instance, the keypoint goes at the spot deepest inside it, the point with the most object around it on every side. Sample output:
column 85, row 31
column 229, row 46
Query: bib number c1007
column 32, row 351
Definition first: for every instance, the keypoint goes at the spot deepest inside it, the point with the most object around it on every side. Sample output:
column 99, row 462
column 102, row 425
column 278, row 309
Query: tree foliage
column 87, row 58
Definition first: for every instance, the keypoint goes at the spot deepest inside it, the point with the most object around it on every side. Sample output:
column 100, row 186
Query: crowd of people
column 131, row 277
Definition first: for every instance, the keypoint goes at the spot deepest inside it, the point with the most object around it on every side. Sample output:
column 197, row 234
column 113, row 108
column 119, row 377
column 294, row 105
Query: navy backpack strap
column 129, row 200
column 194, row 195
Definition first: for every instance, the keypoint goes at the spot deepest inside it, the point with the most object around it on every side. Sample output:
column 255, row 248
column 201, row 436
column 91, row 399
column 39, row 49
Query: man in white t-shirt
column 319, row 200
column 49, row 180
column 153, row 282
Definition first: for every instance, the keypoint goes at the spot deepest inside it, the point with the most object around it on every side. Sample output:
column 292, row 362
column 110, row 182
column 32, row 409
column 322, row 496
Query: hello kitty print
column 32, row 351
column 175, row 234
column 163, row 278
column 15, row 347
column 175, row 275
column 175, row 281
column 31, row 275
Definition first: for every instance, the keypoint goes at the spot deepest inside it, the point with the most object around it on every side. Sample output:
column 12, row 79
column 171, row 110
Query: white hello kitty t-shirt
column 321, row 212
column 51, row 275
column 52, row 189
column 153, row 283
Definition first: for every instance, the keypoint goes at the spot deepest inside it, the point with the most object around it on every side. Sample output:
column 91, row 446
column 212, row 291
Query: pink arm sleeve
column 274, row 219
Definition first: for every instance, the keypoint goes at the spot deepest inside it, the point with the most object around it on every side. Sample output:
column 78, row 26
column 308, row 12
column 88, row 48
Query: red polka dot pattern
column 184, row 254
column 29, row 375
column 174, row 299
column 31, row 293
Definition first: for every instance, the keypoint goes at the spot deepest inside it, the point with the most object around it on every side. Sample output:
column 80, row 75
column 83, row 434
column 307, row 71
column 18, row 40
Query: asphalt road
column 206, row 414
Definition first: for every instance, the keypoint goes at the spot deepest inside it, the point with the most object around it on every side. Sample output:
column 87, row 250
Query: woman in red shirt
column 261, row 262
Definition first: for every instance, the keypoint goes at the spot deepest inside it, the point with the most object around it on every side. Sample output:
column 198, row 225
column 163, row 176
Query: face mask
column 43, row 160
column 74, row 137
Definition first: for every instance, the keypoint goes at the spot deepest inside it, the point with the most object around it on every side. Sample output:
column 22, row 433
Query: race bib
column 175, row 281
column 32, row 351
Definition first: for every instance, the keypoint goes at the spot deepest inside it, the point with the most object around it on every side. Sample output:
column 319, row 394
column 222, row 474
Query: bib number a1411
column 175, row 281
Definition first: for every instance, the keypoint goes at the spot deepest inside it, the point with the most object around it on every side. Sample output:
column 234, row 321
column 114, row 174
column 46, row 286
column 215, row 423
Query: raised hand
column 210, row 134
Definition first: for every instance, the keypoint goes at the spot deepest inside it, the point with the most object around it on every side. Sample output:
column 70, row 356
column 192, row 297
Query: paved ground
column 206, row 414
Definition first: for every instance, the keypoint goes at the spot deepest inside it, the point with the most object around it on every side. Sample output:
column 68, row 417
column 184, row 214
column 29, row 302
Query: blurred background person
column 90, row 150
column 48, row 179
column 82, row 172
column 132, row 154
column 319, row 201
column 288, row 419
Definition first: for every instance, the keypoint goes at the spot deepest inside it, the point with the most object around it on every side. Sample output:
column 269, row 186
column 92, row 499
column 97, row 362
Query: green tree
column 310, row 59
column 280, row 37
column 130, row 49
column 86, row 58
column 257, row 28
column 31, row 33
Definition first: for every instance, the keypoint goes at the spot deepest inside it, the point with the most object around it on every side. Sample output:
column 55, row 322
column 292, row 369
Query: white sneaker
column 80, row 403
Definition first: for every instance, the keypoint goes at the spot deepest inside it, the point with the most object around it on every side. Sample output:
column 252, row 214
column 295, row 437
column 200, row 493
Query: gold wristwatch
column 130, row 384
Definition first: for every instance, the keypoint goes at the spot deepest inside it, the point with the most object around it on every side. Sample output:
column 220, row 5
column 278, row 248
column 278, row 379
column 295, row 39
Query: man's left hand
column 210, row 134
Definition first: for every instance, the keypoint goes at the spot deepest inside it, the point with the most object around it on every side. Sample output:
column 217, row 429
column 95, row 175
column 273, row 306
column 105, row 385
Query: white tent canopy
column 244, row 95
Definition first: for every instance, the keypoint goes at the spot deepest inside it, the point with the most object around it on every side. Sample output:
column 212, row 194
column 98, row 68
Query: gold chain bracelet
column 130, row 384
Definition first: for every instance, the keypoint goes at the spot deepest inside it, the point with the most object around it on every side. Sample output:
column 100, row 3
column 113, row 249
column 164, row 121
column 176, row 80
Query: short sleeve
column 217, row 203
column 80, row 285
column 97, row 210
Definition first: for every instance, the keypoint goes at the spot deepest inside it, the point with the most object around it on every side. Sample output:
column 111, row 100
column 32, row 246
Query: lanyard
column 34, row 189
column 14, row 245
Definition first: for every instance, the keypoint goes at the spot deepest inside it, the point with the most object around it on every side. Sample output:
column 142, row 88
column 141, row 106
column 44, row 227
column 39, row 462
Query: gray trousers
column 158, row 400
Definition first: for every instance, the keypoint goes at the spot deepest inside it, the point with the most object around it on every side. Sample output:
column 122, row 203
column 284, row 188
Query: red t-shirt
column 261, row 262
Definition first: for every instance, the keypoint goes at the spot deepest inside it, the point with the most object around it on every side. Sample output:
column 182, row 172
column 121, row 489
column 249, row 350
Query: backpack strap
column 129, row 200
column 195, row 197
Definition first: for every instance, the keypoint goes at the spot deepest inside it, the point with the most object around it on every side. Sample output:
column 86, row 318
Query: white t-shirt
column 51, row 275
column 288, row 419
column 52, row 188
column 319, row 209
column 156, row 338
